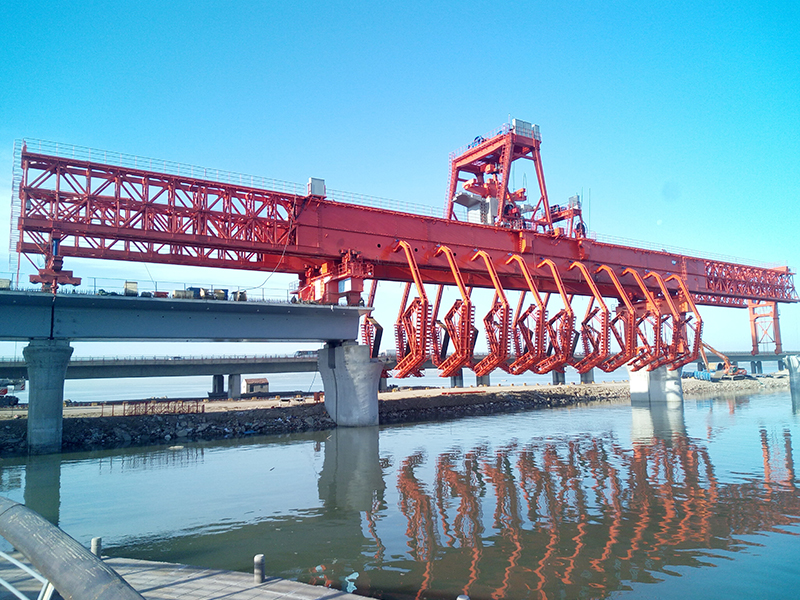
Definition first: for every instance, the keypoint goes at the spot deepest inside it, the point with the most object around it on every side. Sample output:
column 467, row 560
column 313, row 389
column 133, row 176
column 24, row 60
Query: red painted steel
column 530, row 325
column 764, row 325
column 497, row 323
column 595, row 327
column 457, row 327
column 78, row 208
column 413, row 322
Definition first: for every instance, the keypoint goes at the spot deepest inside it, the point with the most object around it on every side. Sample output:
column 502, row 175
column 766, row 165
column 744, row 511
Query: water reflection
column 567, row 515
column 581, row 516
column 351, row 476
column 794, row 390
column 659, row 421
column 43, row 486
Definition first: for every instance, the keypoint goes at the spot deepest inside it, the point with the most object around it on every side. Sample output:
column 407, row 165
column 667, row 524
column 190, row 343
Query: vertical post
column 258, row 569
column 793, row 362
column 217, row 384
column 457, row 380
column 658, row 385
column 764, row 325
column 234, row 386
column 97, row 546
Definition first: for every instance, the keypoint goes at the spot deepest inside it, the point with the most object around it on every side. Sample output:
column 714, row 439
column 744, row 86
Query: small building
column 256, row 386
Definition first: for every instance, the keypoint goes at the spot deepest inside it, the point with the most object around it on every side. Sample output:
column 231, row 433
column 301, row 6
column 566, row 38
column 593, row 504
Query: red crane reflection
column 582, row 516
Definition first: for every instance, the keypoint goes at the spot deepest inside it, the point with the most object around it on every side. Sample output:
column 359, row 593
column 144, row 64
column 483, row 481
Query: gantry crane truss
column 71, row 207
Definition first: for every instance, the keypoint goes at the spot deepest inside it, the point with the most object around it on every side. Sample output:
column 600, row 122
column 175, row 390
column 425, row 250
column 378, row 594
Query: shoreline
column 246, row 418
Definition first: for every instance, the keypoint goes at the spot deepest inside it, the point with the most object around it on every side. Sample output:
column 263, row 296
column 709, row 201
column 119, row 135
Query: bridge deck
column 166, row 581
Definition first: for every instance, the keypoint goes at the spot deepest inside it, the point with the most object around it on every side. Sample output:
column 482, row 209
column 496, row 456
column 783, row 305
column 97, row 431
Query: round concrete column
column 47, row 362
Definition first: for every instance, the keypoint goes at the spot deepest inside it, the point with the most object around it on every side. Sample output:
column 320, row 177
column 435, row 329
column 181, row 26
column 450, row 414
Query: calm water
column 608, row 501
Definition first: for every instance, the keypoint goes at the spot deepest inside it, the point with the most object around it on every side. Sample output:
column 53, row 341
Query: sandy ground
column 691, row 387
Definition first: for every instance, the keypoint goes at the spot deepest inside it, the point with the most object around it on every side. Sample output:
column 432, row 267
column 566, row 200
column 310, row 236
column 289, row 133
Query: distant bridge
column 178, row 366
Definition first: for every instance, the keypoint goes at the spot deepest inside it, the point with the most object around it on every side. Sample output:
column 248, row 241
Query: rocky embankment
column 85, row 433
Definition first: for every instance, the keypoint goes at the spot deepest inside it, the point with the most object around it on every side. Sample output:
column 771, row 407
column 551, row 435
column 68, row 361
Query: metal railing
column 169, row 167
column 620, row 241
column 46, row 591
column 88, row 360
column 62, row 564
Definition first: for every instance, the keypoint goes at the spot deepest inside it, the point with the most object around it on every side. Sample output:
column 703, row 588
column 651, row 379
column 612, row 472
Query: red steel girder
column 560, row 328
column 622, row 326
column 687, row 329
column 371, row 330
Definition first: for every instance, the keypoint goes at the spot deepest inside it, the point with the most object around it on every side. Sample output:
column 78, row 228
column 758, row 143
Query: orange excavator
column 725, row 369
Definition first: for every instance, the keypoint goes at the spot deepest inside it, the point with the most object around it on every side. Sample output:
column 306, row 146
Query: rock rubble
column 86, row 433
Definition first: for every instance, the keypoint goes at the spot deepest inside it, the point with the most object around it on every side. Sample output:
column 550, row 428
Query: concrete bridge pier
column 234, row 386
column 482, row 380
column 793, row 362
column 559, row 377
column 47, row 362
column 457, row 380
column 217, row 385
column 657, row 386
column 350, row 379
column 588, row 377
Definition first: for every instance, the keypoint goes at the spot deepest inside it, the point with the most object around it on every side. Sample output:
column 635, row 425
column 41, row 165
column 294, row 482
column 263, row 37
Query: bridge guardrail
column 88, row 360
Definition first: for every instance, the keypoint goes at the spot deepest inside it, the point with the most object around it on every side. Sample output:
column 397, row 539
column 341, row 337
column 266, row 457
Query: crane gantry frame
column 77, row 207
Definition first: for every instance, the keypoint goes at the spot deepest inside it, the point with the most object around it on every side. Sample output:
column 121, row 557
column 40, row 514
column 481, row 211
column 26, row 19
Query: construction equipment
column 724, row 369
column 639, row 305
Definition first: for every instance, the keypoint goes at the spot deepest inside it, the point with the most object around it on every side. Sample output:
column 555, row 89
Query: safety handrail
column 73, row 571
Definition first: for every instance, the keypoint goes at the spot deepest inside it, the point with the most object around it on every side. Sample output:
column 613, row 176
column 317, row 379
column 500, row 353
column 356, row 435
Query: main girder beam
column 96, row 210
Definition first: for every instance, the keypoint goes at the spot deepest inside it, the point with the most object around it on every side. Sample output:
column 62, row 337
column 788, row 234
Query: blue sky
column 682, row 118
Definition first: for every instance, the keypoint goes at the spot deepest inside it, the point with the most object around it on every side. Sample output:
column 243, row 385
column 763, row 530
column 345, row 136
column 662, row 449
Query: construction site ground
column 92, row 426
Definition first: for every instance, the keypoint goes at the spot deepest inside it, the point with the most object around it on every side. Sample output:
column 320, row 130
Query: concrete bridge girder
column 34, row 315
column 50, row 322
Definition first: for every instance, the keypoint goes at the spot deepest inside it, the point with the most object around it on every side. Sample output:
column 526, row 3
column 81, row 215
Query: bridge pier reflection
column 351, row 477
column 659, row 420
column 43, row 486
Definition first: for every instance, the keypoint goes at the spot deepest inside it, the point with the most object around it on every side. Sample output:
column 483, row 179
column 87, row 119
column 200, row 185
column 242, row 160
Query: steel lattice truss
column 79, row 208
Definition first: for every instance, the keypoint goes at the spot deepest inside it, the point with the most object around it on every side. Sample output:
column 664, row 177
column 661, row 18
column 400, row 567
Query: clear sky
column 682, row 118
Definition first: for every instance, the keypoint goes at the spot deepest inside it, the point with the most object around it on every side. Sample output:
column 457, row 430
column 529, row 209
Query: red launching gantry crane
column 640, row 305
